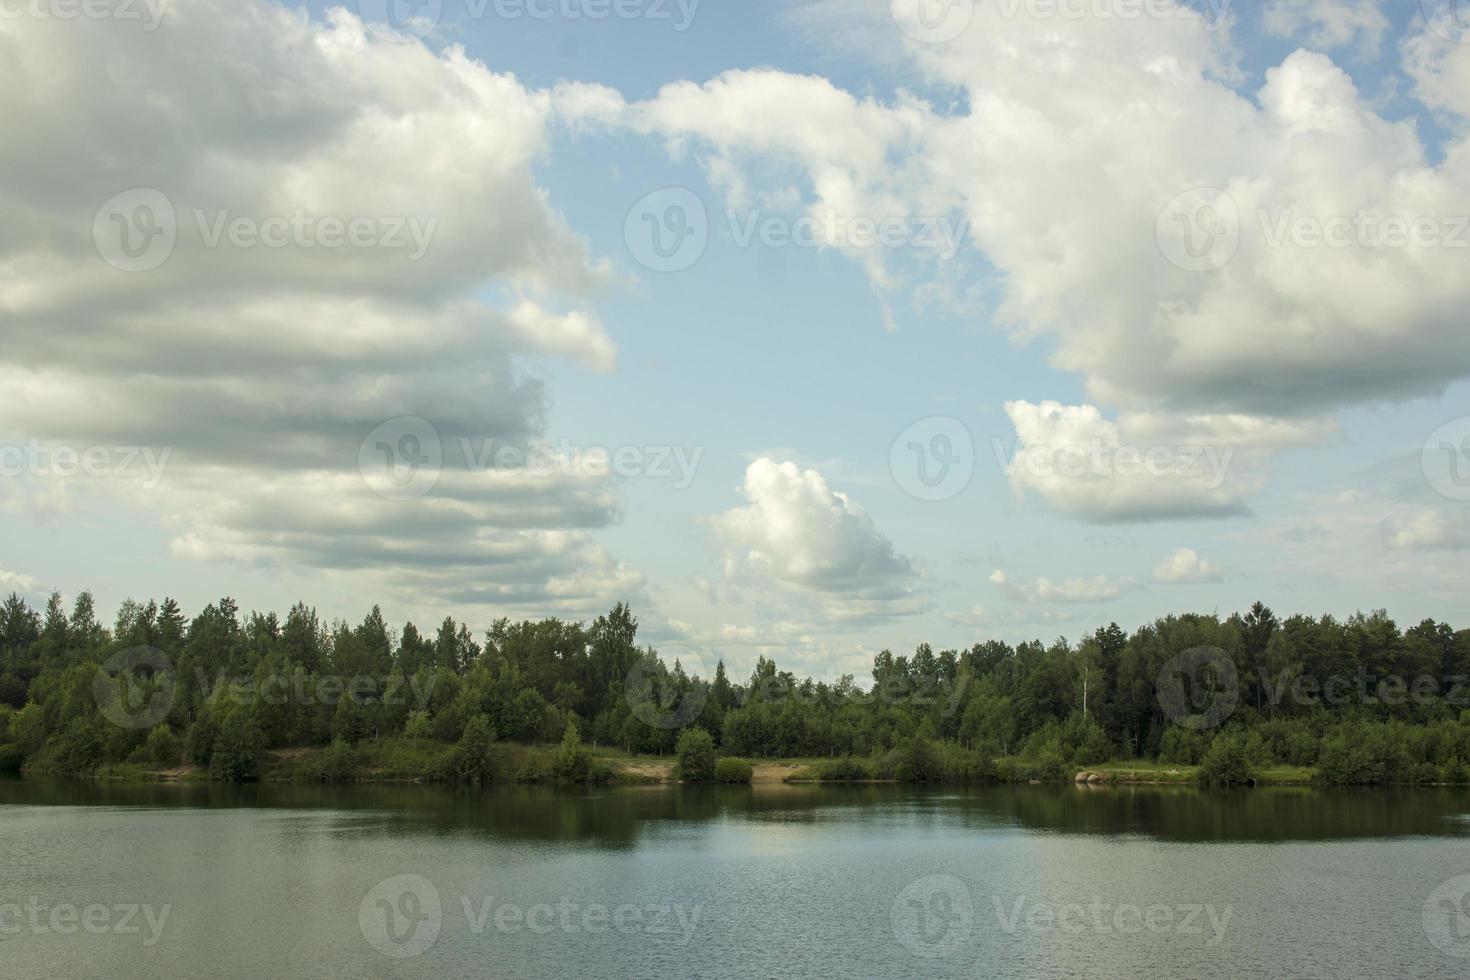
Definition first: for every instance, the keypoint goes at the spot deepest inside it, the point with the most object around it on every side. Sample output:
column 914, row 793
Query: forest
column 238, row 697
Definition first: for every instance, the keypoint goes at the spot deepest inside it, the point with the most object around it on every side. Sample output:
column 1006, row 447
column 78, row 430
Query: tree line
column 1357, row 699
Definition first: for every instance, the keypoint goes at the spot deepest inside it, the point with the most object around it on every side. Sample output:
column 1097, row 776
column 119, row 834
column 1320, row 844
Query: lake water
column 282, row 881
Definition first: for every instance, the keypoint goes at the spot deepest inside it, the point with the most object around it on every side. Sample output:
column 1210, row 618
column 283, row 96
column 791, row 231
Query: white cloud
column 16, row 582
column 265, row 368
column 1072, row 140
column 1329, row 24
column 1186, row 566
column 1099, row 588
column 1427, row 530
column 1146, row 466
column 798, row 533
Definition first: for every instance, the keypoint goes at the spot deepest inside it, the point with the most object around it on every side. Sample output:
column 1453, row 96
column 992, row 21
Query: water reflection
column 616, row 818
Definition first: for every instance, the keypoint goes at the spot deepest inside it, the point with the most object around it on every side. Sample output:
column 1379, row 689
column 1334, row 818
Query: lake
column 126, row 881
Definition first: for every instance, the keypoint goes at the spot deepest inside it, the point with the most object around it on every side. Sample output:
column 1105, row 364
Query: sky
column 807, row 328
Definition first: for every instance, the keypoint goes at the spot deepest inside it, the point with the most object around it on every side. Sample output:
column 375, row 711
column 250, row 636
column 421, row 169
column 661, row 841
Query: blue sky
column 1053, row 143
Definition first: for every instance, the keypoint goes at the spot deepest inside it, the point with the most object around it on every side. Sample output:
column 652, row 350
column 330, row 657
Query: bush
column 418, row 726
column 573, row 761
column 239, row 749
column 338, row 763
column 695, row 756
column 472, row 760
column 1226, row 763
column 732, row 770
column 162, row 748
column 844, row 770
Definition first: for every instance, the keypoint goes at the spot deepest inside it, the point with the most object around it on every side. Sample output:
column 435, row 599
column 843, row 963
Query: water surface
column 1061, row 881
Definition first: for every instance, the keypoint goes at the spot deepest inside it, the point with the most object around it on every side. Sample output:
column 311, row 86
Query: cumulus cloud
column 1329, row 24
column 1099, row 588
column 1077, row 148
column 253, row 237
column 16, row 582
column 1186, row 566
column 1146, row 466
column 798, row 533
column 1427, row 530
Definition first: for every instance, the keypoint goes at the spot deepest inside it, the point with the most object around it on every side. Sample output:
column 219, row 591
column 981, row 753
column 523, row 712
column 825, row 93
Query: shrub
column 844, row 770
column 695, row 756
column 472, row 760
column 1226, row 763
column 573, row 761
column 732, row 770
column 418, row 725
column 162, row 748
column 239, row 749
column 338, row 763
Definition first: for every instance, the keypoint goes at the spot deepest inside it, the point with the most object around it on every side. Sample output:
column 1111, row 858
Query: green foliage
column 1226, row 762
column 732, row 770
column 162, row 748
column 844, row 770
column 239, row 749
column 473, row 762
column 573, row 760
column 418, row 725
column 694, row 756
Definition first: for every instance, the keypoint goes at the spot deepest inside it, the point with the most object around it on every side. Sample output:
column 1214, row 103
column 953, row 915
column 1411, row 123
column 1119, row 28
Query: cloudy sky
column 809, row 328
